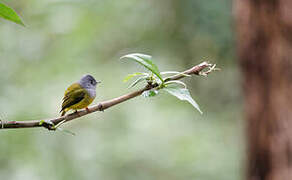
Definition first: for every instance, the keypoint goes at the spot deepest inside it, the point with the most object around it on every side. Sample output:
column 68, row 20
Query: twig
column 50, row 123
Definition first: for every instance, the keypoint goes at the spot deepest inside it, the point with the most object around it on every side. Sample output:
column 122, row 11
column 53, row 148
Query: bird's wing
column 73, row 95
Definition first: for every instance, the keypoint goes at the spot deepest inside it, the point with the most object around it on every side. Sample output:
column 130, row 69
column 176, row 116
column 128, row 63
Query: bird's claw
column 101, row 108
column 76, row 112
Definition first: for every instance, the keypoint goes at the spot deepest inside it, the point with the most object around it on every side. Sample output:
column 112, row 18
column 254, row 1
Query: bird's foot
column 101, row 108
column 76, row 112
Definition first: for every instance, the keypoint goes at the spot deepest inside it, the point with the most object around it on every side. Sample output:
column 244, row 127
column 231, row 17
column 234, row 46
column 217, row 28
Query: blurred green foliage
column 153, row 138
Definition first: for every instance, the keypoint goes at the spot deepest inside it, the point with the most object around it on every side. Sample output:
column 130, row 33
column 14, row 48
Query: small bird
column 80, row 94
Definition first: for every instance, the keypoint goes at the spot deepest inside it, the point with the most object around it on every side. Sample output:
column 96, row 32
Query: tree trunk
column 264, row 38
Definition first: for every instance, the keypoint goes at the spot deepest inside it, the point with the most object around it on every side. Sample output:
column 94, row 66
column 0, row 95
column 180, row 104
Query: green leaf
column 41, row 122
column 9, row 14
column 145, row 60
column 150, row 93
column 140, row 79
column 127, row 78
column 182, row 94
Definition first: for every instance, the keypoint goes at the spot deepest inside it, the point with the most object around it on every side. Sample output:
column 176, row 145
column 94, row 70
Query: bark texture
column 264, row 34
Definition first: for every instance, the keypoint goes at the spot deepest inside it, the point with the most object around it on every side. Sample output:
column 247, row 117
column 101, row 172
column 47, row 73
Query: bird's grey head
column 88, row 82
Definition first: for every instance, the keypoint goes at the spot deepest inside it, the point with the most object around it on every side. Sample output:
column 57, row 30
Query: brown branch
column 49, row 123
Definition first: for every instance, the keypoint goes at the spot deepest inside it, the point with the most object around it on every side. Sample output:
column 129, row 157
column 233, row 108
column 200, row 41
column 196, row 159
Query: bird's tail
column 63, row 112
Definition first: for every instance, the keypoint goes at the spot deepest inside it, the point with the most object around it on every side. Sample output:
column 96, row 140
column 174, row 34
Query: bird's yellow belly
column 82, row 104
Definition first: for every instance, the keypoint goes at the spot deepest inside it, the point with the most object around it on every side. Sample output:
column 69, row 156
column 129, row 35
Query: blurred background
column 144, row 138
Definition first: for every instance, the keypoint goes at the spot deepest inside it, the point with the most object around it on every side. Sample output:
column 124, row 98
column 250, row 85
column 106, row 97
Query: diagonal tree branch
column 50, row 123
